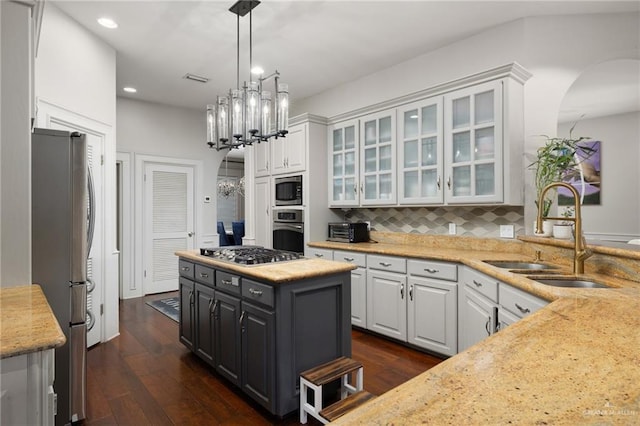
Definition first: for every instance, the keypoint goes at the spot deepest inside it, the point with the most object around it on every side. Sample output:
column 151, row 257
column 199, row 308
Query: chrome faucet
column 581, row 251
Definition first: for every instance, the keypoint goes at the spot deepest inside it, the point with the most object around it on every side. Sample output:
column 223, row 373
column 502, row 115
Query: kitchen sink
column 570, row 282
column 510, row 264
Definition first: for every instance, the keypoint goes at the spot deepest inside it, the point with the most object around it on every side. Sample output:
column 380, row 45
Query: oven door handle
column 279, row 226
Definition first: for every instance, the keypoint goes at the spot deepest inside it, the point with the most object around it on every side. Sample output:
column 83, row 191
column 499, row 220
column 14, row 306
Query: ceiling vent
column 197, row 78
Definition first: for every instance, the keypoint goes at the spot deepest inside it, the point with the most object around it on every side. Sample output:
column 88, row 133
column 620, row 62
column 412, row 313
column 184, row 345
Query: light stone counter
column 278, row 272
column 576, row 361
column 27, row 323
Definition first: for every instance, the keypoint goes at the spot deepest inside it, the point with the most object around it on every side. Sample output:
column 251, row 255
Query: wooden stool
column 343, row 406
column 316, row 377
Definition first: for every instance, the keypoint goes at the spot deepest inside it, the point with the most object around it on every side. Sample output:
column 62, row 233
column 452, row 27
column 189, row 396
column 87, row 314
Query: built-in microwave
column 288, row 191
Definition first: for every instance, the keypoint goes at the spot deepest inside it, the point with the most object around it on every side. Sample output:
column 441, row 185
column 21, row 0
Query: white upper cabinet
column 473, row 140
column 420, row 153
column 377, row 151
column 262, row 154
column 344, row 164
column 288, row 154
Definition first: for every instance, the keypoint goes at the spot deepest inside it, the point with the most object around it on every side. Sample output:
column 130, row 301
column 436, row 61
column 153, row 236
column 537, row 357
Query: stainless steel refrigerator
column 61, row 227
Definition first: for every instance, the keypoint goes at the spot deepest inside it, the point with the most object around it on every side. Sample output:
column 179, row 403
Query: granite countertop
column 27, row 323
column 573, row 362
column 278, row 272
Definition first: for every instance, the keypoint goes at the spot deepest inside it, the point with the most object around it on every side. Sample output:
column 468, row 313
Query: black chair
column 238, row 231
column 222, row 234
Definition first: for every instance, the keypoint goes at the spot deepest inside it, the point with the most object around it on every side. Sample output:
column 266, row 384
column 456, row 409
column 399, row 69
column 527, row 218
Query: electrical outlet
column 452, row 228
column 506, row 231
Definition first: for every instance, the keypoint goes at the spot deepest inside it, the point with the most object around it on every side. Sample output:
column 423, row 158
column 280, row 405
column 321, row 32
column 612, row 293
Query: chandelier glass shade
column 247, row 114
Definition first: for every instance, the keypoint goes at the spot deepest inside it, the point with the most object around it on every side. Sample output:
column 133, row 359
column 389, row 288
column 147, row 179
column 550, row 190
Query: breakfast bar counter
column 575, row 361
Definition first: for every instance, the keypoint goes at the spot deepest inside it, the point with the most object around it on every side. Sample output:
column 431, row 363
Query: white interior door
column 168, row 223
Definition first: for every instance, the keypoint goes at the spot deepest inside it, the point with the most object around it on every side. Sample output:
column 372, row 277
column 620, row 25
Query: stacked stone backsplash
column 470, row 221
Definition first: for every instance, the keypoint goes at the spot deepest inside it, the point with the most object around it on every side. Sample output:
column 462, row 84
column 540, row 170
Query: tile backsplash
column 471, row 221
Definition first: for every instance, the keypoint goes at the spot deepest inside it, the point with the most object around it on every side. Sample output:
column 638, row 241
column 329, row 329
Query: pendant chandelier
column 246, row 115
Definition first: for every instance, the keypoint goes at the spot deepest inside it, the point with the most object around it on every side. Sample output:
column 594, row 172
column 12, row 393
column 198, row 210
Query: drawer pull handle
column 186, row 268
column 477, row 283
column 523, row 310
column 204, row 275
column 411, row 292
column 432, row 271
column 401, row 291
column 255, row 292
column 227, row 282
column 385, row 264
column 349, row 259
column 486, row 326
column 319, row 255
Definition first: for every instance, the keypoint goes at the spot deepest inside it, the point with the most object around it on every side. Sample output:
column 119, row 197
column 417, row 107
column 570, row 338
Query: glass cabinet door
column 377, row 173
column 473, row 140
column 343, row 152
column 420, row 161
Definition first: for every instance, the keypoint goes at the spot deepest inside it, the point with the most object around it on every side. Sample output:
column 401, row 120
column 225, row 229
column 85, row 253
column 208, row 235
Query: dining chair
column 238, row 231
column 222, row 234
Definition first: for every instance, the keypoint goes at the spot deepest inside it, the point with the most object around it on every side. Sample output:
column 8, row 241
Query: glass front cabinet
column 420, row 153
column 473, row 143
column 344, row 164
column 461, row 146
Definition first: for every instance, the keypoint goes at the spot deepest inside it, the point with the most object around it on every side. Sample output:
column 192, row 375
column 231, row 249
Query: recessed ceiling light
column 108, row 23
column 130, row 89
column 257, row 70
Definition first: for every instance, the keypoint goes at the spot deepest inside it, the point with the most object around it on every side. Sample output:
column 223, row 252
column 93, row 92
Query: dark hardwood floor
column 146, row 376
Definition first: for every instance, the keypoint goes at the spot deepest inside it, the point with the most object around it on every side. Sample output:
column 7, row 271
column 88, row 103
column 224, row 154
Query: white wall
column 619, row 211
column 152, row 129
column 15, row 149
column 76, row 71
column 556, row 49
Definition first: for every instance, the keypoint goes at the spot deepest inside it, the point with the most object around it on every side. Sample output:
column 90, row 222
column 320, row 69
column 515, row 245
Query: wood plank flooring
column 146, row 376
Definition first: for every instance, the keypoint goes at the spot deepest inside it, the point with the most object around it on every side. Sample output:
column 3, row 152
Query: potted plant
column 553, row 161
column 564, row 229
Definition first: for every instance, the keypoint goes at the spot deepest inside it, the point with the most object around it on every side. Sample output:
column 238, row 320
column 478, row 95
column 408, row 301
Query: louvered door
column 169, row 223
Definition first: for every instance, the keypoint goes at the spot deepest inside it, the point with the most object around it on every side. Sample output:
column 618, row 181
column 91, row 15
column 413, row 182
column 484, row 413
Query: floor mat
column 169, row 307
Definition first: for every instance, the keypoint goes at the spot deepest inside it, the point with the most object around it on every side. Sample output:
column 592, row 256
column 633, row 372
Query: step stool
column 343, row 406
column 315, row 378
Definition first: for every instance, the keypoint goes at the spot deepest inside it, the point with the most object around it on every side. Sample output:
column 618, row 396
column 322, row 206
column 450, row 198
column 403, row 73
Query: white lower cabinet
column 432, row 315
column 386, row 305
column 487, row 305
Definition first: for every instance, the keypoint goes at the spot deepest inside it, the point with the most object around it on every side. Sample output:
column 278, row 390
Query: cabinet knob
column 190, row 234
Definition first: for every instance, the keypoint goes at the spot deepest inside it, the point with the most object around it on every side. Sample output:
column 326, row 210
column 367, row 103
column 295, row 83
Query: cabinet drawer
column 228, row 282
column 483, row 284
column 204, row 275
column 519, row 302
column 433, row 269
column 359, row 259
column 318, row 253
column 387, row 263
column 186, row 269
column 257, row 292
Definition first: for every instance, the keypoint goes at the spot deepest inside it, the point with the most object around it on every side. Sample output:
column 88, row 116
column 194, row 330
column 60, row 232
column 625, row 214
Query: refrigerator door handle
column 78, row 294
column 79, row 200
column 78, row 372
column 91, row 214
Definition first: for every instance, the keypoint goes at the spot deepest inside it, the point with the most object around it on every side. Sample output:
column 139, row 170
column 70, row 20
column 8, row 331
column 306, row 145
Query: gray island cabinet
column 261, row 333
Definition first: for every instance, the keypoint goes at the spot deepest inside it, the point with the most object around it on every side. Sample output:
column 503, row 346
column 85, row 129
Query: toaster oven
column 348, row 232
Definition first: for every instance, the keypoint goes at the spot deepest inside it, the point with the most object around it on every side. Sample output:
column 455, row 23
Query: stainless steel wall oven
column 288, row 230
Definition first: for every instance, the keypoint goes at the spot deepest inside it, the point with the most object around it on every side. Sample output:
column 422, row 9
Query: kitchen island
column 260, row 326
column 575, row 361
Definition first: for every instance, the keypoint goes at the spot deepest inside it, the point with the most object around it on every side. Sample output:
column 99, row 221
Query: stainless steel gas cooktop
column 249, row 255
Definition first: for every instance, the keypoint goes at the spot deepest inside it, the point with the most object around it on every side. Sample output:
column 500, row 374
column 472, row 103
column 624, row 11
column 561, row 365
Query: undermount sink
column 573, row 283
column 510, row 264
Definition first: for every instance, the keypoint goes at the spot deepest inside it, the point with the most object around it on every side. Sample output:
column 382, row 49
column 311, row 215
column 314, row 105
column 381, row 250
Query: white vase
column 547, row 229
column 562, row 231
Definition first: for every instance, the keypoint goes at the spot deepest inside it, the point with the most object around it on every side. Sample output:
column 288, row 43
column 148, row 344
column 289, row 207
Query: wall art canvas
column 586, row 177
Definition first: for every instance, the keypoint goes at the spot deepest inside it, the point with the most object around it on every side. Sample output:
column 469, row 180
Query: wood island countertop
column 27, row 323
column 278, row 272
column 576, row 361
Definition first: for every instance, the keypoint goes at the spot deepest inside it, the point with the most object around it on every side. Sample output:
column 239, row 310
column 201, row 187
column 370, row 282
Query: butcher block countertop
column 576, row 361
column 27, row 323
column 278, row 272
